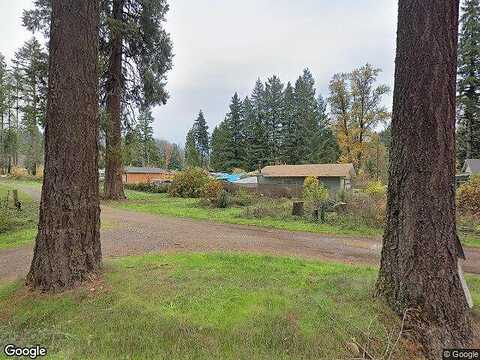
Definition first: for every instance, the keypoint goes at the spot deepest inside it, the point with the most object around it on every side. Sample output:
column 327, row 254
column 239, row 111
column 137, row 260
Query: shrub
column 468, row 196
column 243, row 197
column 148, row 187
column 364, row 209
column 189, row 183
column 376, row 189
column 314, row 192
column 19, row 172
column 223, row 199
column 211, row 191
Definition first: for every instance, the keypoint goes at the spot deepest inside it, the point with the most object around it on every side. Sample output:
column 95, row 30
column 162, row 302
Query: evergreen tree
column 235, row 130
column 468, row 143
column 202, row 142
column 176, row 162
column 222, row 152
column 32, row 65
column 326, row 146
column 136, row 52
column 144, row 130
column 289, row 129
column 256, row 132
column 306, row 117
column 274, row 104
column 192, row 157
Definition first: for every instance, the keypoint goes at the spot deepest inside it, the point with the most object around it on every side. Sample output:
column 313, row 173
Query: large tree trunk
column 113, row 173
column 419, row 257
column 67, row 248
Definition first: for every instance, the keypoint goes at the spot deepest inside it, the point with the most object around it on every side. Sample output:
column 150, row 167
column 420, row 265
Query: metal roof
column 144, row 170
column 317, row 170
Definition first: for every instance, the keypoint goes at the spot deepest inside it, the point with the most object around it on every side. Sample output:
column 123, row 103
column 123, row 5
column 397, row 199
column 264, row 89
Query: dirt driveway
column 134, row 233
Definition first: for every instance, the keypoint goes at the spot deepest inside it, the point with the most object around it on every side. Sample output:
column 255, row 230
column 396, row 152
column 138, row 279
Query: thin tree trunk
column 67, row 248
column 420, row 246
column 113, row 188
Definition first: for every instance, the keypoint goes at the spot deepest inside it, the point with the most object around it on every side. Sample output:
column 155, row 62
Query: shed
column 335, row 177
column 137, row 175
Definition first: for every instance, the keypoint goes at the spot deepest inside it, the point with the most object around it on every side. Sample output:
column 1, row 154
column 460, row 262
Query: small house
column 137, row 175
column 290, row 178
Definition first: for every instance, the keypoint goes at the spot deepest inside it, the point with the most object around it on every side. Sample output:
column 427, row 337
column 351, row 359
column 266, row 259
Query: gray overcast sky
column 223, row 46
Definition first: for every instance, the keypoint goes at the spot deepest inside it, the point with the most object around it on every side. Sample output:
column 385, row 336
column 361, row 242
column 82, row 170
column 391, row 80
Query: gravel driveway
column 134, row 233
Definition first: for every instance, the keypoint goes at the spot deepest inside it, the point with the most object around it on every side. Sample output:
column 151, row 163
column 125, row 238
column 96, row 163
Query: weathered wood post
column 16, row 202
column 298, row 209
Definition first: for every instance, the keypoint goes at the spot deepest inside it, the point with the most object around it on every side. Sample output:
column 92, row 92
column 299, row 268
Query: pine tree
column 192, row 157
column 222, row 152
column 326, row 146
column 32, row 67
column 256, row 132
column 274, row 111
column 136, row 52
column 235, row 128
column 144, row 130
column 468, row 143
column 289, row 128
column 306, row 117
column 202, row 140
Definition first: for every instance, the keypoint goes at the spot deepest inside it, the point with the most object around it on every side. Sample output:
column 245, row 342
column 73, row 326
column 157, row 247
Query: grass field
column 214, row 306
column 162, row 204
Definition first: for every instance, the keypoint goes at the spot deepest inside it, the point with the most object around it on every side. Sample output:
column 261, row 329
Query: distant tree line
column 291, row 124
column 468, row 83
column 23, row 87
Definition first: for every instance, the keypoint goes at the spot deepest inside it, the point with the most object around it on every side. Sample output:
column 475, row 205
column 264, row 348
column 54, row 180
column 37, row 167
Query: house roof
column 144, row 170
column 317, row 170
column 471, row 166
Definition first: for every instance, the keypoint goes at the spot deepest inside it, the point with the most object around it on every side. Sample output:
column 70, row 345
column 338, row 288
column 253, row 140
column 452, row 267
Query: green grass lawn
column 162, row 204
column 215, row 306
column 17, row 227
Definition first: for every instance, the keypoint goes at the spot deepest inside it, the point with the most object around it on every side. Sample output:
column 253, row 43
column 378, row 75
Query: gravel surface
column 134, row 233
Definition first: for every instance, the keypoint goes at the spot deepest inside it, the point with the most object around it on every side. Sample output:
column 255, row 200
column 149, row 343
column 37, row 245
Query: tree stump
column 298, row 209
column 17, row 203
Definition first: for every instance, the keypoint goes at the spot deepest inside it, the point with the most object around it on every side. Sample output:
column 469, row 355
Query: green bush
column 223, row 199
column 376, row 189
column 189, row 183
column 211, row 191
column 468, row 196
column 314, row 192
column 148, row 187
column 243, row 197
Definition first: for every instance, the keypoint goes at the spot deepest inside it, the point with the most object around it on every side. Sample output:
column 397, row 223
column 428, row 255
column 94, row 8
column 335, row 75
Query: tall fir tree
column 144, row 128
column 235, row 123
column 222, row 152
column 468, row 134
column 306, row 116
column 192, row 157
column 326, row 146
column 274, row 104
column 256, row 132
column 289, row 129
column 202, row 140
column 31, row 63
column 136, row 53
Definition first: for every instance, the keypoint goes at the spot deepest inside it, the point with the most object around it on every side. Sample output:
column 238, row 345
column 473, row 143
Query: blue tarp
column 228, row 177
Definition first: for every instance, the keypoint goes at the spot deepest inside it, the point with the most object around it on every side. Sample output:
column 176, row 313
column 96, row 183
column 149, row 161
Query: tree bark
column 419, row 256
column 67, row 249
column 113, row 188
